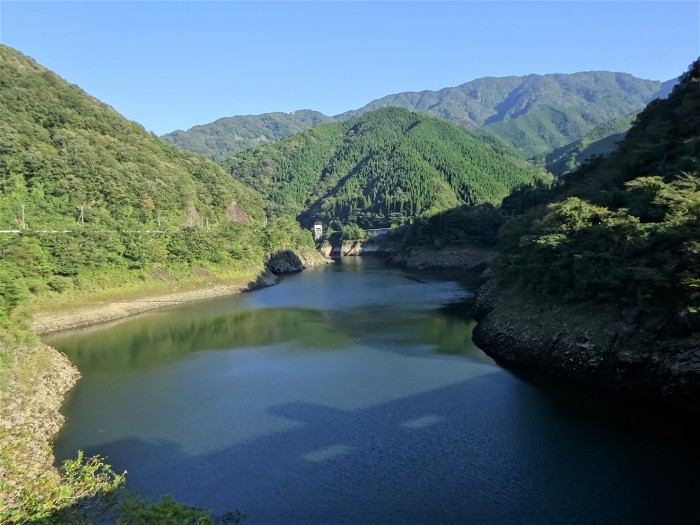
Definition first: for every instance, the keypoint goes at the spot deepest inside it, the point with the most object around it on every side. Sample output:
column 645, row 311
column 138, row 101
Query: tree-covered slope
column 61, row 149
column 385, row 167
column 227, row 136
column 535, row 113
column 614, row 260
column 98, row 199
column 601, row 140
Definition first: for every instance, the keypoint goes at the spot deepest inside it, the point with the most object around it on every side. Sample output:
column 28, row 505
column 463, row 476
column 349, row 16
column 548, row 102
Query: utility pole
column 158, row 214
column 23, row 224
column 81, row 219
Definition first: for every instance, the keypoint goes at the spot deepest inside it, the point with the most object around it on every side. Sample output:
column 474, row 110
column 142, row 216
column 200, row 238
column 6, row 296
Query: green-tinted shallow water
column 353, row 394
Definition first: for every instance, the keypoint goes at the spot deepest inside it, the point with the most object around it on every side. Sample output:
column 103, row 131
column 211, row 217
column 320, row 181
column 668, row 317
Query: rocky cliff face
column 596, row 349
column 289, row 261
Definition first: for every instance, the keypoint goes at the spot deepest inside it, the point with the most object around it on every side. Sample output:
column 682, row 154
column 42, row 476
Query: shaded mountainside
column 601, row 285
column 382, row 168
column 535, row 113
column 601, row 140
column 227, row 136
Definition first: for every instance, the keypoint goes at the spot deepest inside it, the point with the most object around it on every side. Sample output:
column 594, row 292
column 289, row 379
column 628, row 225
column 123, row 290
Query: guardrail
column 72, row 231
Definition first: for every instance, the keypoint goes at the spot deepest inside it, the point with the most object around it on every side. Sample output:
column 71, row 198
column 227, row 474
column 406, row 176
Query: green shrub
column 82, row 486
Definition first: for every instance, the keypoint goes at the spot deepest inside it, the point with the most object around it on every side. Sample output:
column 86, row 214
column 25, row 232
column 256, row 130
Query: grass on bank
column 100, row 287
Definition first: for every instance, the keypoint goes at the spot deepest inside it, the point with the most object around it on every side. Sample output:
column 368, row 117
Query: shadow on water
column 627, row 414
column 426, row 459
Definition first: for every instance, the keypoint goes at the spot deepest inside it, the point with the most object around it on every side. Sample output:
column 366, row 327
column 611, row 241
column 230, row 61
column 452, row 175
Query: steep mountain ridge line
column 480, row 103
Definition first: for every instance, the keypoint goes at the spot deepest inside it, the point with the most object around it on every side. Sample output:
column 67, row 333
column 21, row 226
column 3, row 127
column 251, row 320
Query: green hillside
column 226, row 136
column 601, row 140
column 382, row 168
column 99, row 201
column 536, row 113
column 623, row 231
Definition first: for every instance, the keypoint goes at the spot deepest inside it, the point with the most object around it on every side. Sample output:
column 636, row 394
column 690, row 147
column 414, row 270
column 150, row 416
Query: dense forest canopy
column 62, row 150
column 380, row 169
column 535, row 113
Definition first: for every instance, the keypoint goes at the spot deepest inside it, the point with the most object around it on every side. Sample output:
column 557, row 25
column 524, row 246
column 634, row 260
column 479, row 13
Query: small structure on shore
column 318, row 231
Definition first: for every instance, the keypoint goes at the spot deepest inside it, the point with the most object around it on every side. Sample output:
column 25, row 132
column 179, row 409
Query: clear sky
column 172, row 65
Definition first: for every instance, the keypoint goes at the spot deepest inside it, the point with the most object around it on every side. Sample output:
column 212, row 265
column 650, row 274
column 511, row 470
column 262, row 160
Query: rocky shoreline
column 30, row 417
column 448, row 258
column 591, row 349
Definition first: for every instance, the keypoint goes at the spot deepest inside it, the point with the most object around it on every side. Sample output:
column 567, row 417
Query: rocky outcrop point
column 597, row 349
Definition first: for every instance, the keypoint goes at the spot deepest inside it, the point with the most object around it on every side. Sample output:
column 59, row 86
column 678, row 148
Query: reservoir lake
column 353, row 394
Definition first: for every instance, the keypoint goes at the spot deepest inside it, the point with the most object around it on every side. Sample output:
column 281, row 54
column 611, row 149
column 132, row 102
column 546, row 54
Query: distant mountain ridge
column 536, row 114
column 229, row 135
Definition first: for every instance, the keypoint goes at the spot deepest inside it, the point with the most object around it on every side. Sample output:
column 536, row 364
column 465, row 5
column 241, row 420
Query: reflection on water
column 352, row 394
column 165, row 337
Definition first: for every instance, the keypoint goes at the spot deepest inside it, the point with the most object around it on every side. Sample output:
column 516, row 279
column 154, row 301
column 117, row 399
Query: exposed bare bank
column 29, row 419
column 102, row 312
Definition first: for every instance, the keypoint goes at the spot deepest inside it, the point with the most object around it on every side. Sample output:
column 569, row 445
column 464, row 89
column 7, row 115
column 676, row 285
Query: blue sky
column 172, row 65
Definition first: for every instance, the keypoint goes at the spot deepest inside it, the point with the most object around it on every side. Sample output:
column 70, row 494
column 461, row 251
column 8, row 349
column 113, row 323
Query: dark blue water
column 353, row 394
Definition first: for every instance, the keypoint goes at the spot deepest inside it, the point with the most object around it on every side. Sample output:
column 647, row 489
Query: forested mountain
column 601, row 140
column 226, row 136
column 385, row 167
column 69, row 162
column 535, row 113
column 613, row 259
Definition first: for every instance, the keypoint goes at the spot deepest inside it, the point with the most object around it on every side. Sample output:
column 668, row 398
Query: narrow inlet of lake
column 353, row 394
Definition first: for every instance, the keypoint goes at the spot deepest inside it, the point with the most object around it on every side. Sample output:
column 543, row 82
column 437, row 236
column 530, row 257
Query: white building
column 318, row 230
